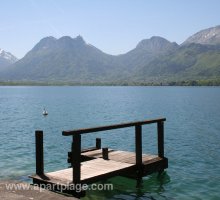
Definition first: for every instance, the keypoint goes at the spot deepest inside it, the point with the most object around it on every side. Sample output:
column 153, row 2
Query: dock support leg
column 98, row 143
column 138, row 145
column 39, row 152
column 138, row 150
column 139, row 183
column 105, row 153
column 76, row 165
column 76, row 156
column 160, row 137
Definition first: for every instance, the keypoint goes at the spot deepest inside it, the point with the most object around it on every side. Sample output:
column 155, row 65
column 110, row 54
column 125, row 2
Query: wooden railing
column 110, row 127
column 76, row 143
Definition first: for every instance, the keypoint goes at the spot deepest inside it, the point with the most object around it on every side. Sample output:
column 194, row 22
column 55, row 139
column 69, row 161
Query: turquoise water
column 192, row 134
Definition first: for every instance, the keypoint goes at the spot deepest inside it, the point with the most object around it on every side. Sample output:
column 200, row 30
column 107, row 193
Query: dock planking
column 91, row 170
column 97, row 169
column 96, row 163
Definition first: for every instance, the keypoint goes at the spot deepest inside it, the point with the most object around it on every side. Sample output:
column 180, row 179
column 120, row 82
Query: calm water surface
column 192, row 134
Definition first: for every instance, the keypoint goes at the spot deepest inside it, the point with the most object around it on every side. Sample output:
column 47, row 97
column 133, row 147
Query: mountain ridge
column 154, row 60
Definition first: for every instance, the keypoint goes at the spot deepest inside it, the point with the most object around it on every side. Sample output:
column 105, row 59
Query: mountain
column 63, row 59
column 156, row 45
column 206, row 36
column 6, row 59
column 72, row 59
column 145, row 51
column 188, row 62
column 152, row 61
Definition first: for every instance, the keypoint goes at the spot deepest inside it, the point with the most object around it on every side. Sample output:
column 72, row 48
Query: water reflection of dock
column 96, row 163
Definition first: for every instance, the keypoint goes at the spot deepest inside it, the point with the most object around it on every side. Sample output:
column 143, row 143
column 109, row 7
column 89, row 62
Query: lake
column 192, row 134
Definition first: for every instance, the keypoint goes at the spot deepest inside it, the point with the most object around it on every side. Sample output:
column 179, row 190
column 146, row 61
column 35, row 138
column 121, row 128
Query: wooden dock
column 96, row 163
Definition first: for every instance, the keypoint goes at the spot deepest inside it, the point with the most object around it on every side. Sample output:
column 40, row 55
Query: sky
column 113, row 26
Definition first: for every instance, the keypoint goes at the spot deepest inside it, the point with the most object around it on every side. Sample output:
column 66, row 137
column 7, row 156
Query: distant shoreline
column 171, row 83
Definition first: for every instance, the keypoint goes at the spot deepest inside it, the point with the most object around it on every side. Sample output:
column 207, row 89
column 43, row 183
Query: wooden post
column 105, row 153
column 76, row 157
column 39, row 152
column 138, row 144
column 98, row 143
column 160, row 137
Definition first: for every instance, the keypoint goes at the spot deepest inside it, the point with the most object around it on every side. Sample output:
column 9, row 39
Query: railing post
column 39, row 152
column 138, row 144
column 76, row 158
column 160, row 137
column 98, row 143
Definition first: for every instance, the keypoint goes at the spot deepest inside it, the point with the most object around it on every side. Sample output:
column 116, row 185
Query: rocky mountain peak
column 7, row 56
column 155, row 44
column 6, row 59
column 206, row 36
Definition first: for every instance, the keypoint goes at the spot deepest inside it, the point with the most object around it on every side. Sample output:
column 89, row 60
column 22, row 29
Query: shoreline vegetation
column 214, row 82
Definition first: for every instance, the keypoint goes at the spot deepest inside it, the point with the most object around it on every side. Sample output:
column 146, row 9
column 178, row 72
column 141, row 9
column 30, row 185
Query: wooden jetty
column 96, row 163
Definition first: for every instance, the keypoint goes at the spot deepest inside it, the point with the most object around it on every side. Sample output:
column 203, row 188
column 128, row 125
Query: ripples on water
column 192, row 134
